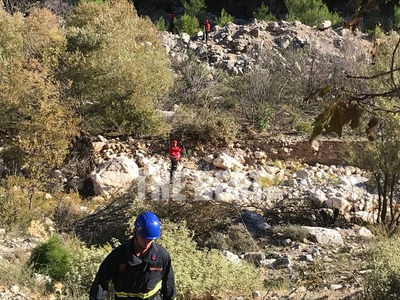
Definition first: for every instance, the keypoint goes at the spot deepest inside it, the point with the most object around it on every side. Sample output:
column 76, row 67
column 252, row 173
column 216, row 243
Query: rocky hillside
column 272, row 180
column 237, row 48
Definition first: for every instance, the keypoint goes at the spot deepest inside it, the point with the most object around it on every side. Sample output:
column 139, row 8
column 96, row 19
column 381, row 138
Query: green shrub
column 236, row 239
column 277, row 283
column 224, row 19
column 262, row 120
column 51, row 258
column 380, row 156
column 303, row 127
column 187, row 24
column 384, row 280
column 196, row 87
column 160, row 24
column 396, row 17
column 293, row 232
column 84, row 266
column 255, row 98
column 20, row 204
column 207, row 272
column 195, row 8
column 16, row 274
column 310, row 12
column 266, row 182
column 206, row 126
column 262, row 13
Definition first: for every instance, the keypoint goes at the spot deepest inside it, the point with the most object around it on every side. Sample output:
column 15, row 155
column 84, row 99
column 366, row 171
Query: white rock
column 365, row 232
column 324, row 235
column 114, row 175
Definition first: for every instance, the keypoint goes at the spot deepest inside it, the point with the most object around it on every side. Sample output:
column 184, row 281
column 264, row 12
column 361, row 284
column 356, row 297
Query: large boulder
column 114, row 175
column 324, row 236
column 225, row 162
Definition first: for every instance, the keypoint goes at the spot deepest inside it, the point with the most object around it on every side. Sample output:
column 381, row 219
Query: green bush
column 310, row 12
column 52, row 258
column 224, row 19
column 20, row 204
column 303, row 127
column 396, row 17
column 37, row 121
column 110, row 68
column 187, row 24
column 262, row 120
column 207, row 273
column 195, row 8
column 384, row 280
column 196, row 87
column 262, row 13
column 293, row 232
column 255, row 97
column 84, row 266
column 160, row 24
column 14, row 273
column 206, row 126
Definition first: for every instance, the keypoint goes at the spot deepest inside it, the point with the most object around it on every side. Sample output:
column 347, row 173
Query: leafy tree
column 379, row 101
column 195, row 8
column 348, row 109
column 381, row 157
column 111, row 66
column 39, row 124
column 187, row 24
column 224, row 19
column 310, row 12
column 396, row 18
column 262, row 13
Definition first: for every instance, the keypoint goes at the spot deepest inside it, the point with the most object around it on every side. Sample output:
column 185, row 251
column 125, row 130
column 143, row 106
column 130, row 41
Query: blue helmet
column 148, row 225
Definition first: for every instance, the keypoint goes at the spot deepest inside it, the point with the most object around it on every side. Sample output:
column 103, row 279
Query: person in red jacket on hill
column 175, row 154
column 207, row 28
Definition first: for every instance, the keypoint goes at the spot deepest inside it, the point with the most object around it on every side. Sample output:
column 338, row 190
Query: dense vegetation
column 99, row 68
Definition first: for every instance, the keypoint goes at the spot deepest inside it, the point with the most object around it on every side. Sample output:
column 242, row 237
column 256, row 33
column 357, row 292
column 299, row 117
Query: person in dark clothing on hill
column 171, row 22
column 139, row 269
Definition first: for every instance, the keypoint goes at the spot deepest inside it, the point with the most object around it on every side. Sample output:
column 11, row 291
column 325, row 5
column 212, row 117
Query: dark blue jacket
column 133, row 277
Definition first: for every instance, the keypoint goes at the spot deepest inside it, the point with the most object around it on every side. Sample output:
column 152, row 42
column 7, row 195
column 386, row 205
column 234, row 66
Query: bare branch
column 373, row 76
column 362, row 97
column 392, row 63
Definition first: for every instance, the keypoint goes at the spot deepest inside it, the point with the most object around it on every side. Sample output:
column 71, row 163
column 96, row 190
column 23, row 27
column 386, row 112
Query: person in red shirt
column 207, row 28
column 175, row 154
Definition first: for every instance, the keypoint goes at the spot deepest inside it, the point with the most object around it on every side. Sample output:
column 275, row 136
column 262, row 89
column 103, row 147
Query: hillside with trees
column 86, row 82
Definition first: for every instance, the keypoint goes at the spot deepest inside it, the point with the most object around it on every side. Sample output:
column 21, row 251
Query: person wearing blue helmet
column 140, row 268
